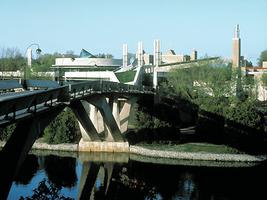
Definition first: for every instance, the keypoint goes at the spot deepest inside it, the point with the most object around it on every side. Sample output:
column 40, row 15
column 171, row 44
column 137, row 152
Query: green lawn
column 125, row 77
column 192, row 147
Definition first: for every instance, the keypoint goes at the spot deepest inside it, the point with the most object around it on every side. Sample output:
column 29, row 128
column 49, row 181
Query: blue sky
column 103, row 26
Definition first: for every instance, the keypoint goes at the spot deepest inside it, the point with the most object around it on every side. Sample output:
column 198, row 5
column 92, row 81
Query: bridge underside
column 103, row 120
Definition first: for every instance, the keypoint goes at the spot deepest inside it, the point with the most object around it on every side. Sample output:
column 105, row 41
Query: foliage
column 152, row 127
column 200, row 81
column 147, row 80
column 102, row 55
column 243, row 112
column 11, row 60
column 145, row 120
column 264, row 80
column 64, row 129
column 217, row 89
column 263, row 57
column 46, row 190
column 6, row 132
column 43, row 63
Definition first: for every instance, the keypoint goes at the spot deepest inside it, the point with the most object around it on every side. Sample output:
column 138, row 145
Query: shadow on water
column 108, row 176
column 28, row 169
column 60, row 170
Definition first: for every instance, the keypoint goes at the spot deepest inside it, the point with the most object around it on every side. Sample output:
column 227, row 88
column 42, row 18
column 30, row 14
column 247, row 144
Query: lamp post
column 28, row 53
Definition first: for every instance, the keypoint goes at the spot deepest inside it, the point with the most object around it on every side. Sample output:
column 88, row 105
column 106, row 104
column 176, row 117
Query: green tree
column 264, row 80
column 202, row 83
column 6, row 132
column 11, row 60
column 243, row 112
column 213, row 87
column 64, row 129
column 263, row 57
column 43, row 63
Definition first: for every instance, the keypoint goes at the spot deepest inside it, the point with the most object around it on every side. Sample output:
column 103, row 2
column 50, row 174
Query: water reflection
column 46, row 190
column 107, row 176
column 61, row 170
column 28, row 169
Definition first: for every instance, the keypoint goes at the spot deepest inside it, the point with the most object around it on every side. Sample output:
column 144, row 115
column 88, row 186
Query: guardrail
column 89, row 87
column 19, row 103
column 27, row 102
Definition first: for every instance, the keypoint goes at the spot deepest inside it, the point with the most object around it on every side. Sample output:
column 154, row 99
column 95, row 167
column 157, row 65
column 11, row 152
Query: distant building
column 86, row 62
column 236, row 54
column 169, row 57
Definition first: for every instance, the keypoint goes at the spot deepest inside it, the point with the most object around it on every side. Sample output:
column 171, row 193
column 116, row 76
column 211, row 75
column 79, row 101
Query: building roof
column 86, row 54
column 170, row 52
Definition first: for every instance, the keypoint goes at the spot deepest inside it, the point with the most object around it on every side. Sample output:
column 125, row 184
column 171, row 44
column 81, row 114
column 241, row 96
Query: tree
column 264, row 80
column 11, row 59
column 6, row 132
column 263, row 57
column 213, row 88
column 102, row 55
column 43, row 63
column 243, row 112
column 64, row 129
column 201, row 83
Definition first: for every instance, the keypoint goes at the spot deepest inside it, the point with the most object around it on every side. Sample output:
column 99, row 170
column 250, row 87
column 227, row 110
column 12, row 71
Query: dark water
column 105, row 176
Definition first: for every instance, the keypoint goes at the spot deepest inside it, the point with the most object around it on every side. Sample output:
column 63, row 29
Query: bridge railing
column 21, row 103
column 89, row 87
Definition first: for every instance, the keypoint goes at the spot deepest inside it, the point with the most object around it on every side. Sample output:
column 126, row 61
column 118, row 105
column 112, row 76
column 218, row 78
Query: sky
column 103, row 26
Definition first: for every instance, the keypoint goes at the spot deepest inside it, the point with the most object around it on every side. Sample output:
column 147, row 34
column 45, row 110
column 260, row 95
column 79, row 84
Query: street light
column 29, row 57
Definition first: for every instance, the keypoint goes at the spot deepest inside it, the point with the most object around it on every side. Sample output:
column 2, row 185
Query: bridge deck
column 14, row 106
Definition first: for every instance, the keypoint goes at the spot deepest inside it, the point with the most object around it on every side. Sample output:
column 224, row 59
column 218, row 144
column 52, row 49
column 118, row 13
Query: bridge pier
column 125, row 112
column 88, row 130
column 98, row 114
column 113, row 130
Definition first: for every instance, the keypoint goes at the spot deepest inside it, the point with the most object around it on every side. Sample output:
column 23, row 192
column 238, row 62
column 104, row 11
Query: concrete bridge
column 102, row 109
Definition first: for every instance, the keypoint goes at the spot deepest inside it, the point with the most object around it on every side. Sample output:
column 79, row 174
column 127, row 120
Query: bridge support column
column 113, row 141
column 96, row 118
column 81, row 110
column 114, row 133
column 114, row 105
column 125, row 114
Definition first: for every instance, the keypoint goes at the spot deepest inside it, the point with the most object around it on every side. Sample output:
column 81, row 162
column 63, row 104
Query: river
column 116, row 176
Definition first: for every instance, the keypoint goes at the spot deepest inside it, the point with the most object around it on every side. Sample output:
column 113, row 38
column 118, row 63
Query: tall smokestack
column 125, row 55
column 140, row 56
column 157, row 54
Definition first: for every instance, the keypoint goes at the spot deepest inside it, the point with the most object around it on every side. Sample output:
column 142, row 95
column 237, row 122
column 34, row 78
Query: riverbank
column 146, row 154
column 202, row 156
column 52, row 147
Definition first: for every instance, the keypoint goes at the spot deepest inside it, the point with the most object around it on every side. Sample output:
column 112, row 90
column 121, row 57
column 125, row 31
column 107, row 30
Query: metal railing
column 92, row 87
column 27, row 102
column 20, row 103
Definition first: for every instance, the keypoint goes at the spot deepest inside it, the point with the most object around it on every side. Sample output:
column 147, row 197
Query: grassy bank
column 192, row 147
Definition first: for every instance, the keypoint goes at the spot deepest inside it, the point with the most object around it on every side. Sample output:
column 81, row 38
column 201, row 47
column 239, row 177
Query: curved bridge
column 102, row 109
